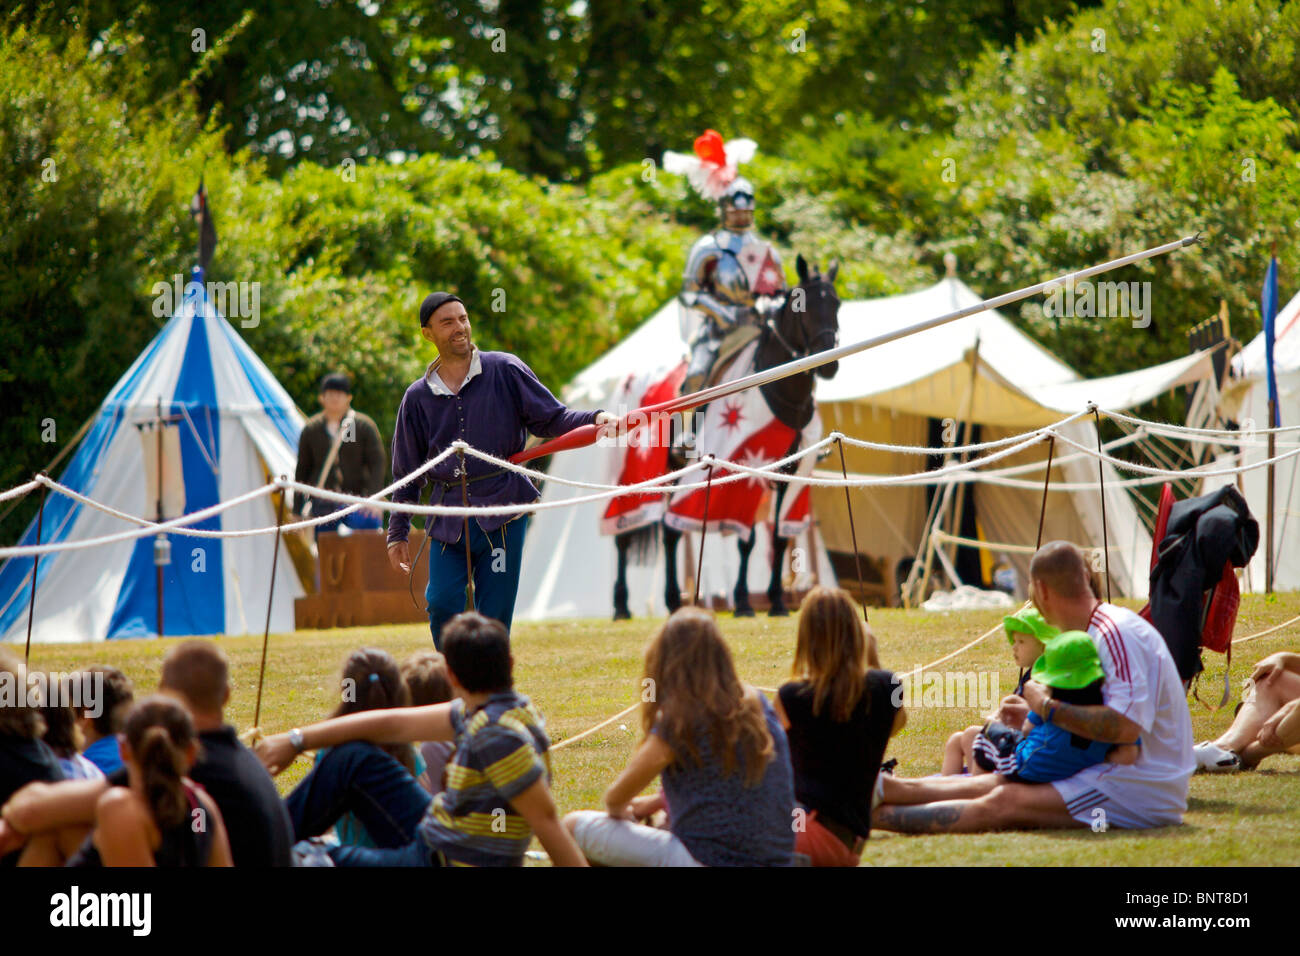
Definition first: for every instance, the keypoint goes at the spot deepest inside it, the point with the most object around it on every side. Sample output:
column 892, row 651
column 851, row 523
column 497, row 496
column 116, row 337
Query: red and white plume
column 714, row 165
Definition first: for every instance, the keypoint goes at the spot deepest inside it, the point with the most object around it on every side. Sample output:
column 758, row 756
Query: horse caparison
column 808, row 322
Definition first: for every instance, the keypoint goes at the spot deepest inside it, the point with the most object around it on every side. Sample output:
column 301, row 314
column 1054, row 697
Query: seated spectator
column 1026, row 632
column 1142, row 696
column 371, row 680
column 1267, row 723
column 24, row 757
column 63, row 735
column 162, row 817
column 723, row 757
column 839, row 716
column 497, row 795
column 106, row 696
column 1070, row 669
column 425, row 673
column 53, row 819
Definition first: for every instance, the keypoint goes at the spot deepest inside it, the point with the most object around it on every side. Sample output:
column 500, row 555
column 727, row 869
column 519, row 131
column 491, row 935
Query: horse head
column 809, row 321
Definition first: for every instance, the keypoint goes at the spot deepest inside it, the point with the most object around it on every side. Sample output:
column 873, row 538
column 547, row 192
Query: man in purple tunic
column 491, row 401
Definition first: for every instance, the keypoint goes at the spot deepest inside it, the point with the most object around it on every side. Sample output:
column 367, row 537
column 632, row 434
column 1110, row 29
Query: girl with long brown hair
column 722, row 756
column 372, row 680
column 839, row 711
column 162, row 818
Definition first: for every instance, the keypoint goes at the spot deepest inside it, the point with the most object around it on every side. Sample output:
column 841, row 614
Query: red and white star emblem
column 731, row 416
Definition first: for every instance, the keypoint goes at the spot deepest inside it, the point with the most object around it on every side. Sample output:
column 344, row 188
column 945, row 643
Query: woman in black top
column 162, row 818
column 839, row 716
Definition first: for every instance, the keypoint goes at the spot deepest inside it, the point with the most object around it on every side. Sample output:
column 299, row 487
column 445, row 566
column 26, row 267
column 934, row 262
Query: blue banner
column 1268, row 308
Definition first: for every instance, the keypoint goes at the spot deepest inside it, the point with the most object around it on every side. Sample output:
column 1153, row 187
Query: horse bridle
column 770, row 324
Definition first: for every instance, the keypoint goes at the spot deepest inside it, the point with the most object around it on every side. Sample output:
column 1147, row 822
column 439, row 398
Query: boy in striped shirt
column 497, row 794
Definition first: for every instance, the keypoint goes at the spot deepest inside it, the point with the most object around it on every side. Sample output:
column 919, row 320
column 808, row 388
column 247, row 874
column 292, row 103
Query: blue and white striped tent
column 237, row 428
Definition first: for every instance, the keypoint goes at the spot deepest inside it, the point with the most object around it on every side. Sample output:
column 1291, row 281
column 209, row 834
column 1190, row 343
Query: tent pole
column 470, row 603
column 1268, row 544
column 704, row 531
column 940, row 514
column 857, row 557
column 36, row 560
column 1047, row 480
column 270, row 595
column 158, row 568
column 967, row 428
column 1101, row 488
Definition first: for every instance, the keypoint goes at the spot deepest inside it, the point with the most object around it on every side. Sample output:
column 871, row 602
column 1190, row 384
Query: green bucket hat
column 1069, row 662
column 1028, row 621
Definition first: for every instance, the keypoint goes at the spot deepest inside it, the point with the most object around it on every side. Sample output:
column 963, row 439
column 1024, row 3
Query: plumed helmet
column 739, row 194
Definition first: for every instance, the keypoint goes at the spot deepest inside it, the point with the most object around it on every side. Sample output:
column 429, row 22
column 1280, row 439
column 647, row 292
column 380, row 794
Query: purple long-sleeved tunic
column 493, row 412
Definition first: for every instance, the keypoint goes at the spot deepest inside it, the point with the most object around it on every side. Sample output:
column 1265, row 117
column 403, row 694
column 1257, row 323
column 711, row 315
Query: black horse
column 808, row 322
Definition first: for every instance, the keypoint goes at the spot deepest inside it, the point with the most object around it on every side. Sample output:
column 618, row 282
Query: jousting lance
column 588, row 434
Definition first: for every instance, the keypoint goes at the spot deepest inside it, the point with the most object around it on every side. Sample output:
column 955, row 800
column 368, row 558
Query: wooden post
column 1268, row 538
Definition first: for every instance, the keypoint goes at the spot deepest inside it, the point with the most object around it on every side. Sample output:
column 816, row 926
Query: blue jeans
column 415, row 853
column 496, row 557
column 360, row 778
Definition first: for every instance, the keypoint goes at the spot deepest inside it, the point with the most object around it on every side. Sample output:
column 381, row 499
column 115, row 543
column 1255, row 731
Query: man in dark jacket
column 340, row 450
column 491, row 401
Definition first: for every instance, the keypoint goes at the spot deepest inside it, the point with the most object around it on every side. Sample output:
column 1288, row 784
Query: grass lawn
column 580, row 672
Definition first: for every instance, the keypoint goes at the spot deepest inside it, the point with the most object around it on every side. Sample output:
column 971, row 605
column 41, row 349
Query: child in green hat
column 1071, row 670
column 1027, row 632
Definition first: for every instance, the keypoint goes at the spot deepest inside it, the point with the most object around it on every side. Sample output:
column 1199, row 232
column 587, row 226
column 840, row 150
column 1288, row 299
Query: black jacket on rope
column 1203, row 534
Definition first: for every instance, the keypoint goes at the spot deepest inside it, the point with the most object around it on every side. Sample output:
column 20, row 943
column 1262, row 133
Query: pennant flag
column 201, row 212
column 1268, row 307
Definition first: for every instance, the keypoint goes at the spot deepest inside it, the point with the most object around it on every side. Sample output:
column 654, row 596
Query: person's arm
column 396, row 725
column 122, row 829
column 1094, row 721
column 38, row 807
column 536, row 806
column 649, row 760
column 779, row 707
column 541, row 412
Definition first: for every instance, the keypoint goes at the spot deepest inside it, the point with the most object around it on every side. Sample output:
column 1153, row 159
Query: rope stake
column 469, row 560
column 1047, row 480
column 270, row 597
column 704, row 530
column 36, row 560
column 853, row 533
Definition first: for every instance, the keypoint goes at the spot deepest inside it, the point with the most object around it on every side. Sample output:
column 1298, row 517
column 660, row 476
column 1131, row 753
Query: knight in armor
column 733, row 280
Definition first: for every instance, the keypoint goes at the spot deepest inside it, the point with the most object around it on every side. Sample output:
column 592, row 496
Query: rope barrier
column 670, row 483
column 18, row 491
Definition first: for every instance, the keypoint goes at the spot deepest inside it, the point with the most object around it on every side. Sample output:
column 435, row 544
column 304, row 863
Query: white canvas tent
column 888, row 394
column 236, row 427
column 1245, row 400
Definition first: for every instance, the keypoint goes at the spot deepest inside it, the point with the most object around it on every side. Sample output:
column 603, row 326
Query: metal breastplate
column 729, row 281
